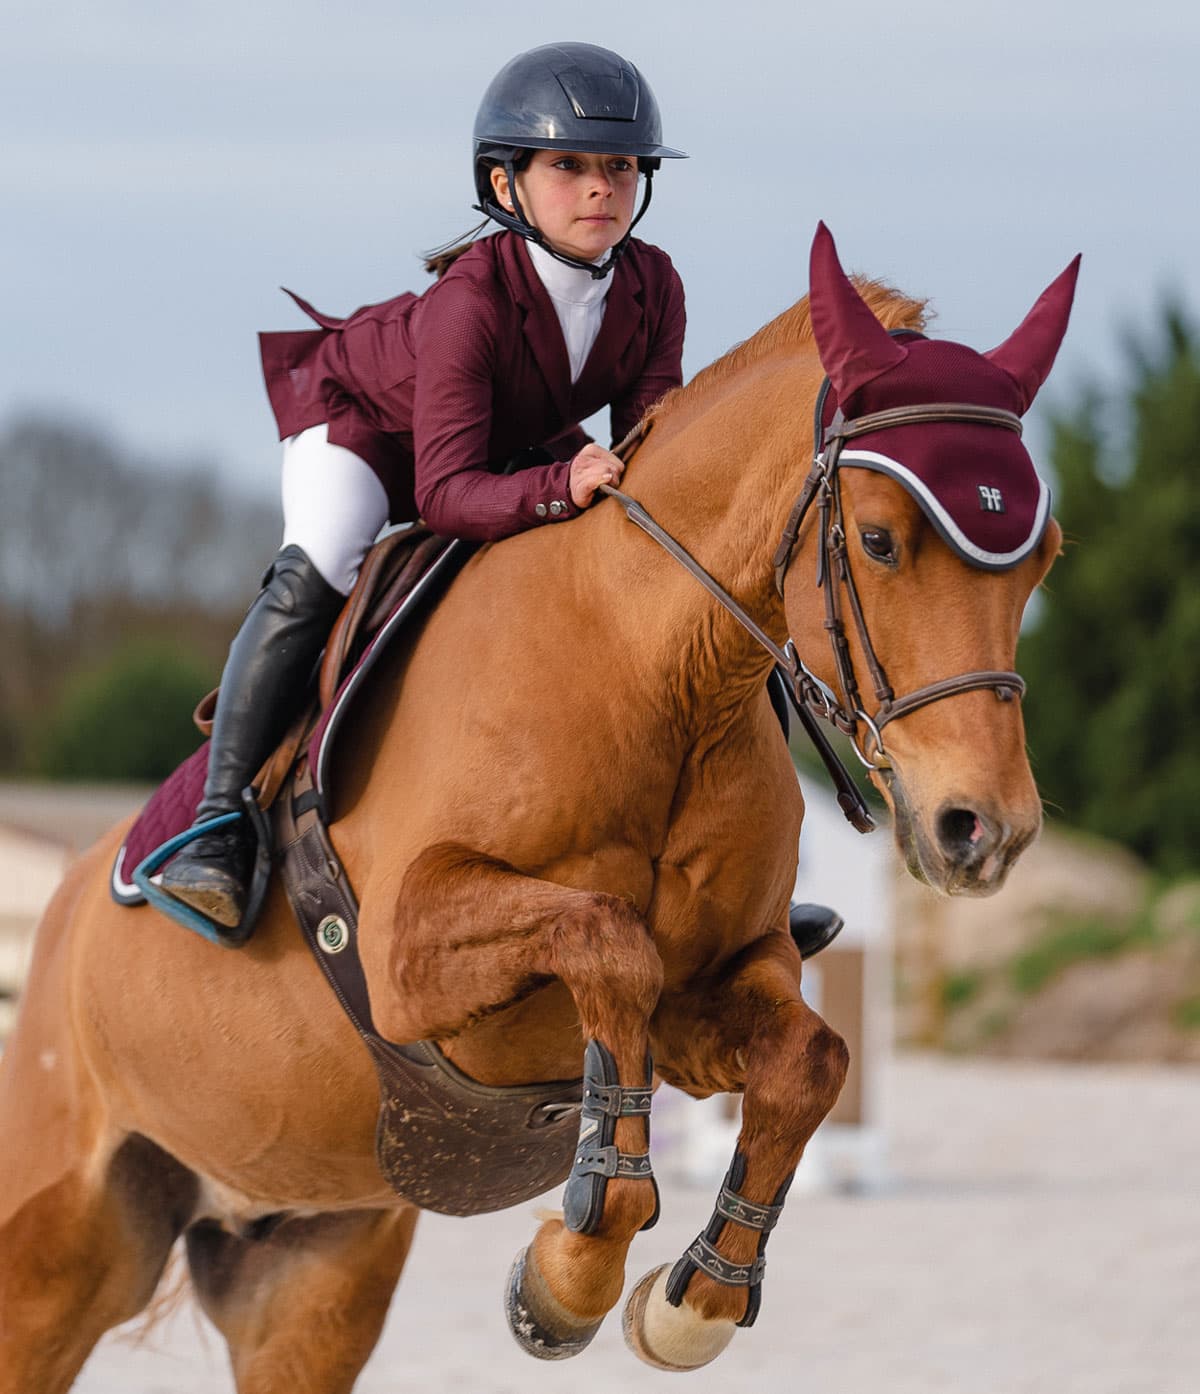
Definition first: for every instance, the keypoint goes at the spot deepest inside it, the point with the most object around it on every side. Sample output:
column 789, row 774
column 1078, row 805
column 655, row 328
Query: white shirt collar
column 570, row 285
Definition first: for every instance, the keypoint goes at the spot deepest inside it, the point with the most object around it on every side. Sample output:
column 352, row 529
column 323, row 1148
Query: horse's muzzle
column 966, row 847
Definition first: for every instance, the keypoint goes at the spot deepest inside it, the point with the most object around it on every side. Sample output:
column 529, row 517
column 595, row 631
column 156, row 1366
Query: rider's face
column 582, row 204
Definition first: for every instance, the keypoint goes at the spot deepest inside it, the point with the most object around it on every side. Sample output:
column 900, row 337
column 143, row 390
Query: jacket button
column 540, row 509
column 557, row 507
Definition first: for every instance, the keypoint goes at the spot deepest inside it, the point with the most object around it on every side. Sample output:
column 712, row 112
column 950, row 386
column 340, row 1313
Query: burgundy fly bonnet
column 975, row 481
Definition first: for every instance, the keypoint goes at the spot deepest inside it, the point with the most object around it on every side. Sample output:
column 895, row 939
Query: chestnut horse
column 574, row 821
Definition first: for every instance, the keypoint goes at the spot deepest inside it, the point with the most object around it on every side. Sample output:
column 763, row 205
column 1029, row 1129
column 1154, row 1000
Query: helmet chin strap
column 517, row 222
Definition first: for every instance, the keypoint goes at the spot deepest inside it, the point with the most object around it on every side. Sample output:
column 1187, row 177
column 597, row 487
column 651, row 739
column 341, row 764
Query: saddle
column 397, row 584
column 389, row 573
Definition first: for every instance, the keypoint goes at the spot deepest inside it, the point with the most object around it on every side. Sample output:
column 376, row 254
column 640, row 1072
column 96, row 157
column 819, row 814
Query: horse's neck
column 720, row 479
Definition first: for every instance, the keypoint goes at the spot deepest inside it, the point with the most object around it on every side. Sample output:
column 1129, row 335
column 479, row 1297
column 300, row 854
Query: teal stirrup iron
column 167, row 904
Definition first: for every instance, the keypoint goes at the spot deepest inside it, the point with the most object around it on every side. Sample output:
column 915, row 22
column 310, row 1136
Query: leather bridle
column 822, row 489
column 809, row 694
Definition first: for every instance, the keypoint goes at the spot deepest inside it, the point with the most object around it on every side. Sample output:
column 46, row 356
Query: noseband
column 822, row 488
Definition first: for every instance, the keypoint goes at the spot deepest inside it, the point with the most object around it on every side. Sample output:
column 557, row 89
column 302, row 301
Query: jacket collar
column 622, row 314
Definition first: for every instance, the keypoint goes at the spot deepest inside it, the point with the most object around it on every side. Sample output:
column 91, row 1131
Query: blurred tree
column 129, row 719
column 98, row 549
column 1114, row 663
column 83, row 519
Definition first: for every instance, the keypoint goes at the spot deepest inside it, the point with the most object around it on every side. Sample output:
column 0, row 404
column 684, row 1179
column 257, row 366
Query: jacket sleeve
column 458, row 368
column 664, row 362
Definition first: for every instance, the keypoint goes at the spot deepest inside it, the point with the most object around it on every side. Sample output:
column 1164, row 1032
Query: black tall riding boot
column 262, row 689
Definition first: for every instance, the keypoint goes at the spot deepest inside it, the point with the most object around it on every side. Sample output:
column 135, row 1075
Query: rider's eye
column 877, row 543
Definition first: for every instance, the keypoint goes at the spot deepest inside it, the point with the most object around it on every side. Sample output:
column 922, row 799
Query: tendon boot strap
column 597, row 1158
column 607, row 1161
column 616, row 1102
column 704, row 1257
column 734, row 1275
column 745, row 1213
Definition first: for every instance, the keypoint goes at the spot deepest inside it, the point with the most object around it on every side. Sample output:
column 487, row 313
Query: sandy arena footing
column 1040, row 1235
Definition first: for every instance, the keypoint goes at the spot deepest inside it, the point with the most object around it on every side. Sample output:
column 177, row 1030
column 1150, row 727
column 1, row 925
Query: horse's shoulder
column 741, row 788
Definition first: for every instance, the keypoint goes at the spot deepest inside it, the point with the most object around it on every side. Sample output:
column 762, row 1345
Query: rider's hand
column 592, row 467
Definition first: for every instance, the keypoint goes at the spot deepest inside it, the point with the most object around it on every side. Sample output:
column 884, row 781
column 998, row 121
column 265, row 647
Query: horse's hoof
column 540, row 1324
column 670, row 1338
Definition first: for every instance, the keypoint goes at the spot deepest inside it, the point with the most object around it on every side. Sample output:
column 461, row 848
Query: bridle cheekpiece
column 822, row 488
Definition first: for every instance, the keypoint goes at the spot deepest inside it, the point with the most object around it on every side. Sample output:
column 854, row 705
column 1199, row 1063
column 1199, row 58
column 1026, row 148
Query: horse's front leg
column 474, row 936
column 748, row 1030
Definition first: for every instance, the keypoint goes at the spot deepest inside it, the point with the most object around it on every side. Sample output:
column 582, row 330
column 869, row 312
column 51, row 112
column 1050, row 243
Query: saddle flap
column 373, row 614
column 389, row 571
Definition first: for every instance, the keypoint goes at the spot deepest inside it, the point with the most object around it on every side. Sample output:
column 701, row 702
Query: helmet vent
column 611, row 96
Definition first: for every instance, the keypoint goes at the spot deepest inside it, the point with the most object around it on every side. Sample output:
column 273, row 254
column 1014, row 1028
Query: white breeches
column 333, row 505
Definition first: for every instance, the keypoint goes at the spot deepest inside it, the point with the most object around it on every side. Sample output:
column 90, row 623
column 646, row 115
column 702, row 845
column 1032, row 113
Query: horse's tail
column 172, row 1292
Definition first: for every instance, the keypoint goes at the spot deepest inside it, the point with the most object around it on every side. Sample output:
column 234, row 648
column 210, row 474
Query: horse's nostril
column 960, row 830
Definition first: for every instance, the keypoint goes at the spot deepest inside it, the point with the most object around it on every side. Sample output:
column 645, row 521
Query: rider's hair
column 439, row 260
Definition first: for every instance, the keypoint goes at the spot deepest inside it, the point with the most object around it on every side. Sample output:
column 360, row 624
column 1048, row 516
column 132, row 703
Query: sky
column 164, row 169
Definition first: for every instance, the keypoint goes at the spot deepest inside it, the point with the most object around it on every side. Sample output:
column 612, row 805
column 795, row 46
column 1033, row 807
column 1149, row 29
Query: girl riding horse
column 407, row 408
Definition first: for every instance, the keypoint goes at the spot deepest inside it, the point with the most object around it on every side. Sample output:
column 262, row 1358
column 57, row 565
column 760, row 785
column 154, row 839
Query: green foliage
column 1187, row 1014
column 100, row 547
column 1072, row 941
column 129, row 719
column 958, row 989
column 1114, row 664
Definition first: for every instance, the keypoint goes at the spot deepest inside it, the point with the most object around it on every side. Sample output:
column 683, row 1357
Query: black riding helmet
column 565, row 97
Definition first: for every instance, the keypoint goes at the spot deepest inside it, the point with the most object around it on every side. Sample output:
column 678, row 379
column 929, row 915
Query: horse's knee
column 827, row 1060
column 793, row 1085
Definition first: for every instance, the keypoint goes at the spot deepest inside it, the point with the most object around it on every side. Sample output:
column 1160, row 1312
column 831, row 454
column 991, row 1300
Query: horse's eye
column 877, row 543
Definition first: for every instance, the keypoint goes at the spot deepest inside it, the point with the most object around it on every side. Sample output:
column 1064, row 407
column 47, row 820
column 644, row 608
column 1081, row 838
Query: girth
column 443, row 1140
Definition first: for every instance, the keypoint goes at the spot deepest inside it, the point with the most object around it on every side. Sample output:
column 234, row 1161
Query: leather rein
column 810, row 696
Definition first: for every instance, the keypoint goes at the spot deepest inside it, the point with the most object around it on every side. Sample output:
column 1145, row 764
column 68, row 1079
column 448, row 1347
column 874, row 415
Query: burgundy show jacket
column 432, row 390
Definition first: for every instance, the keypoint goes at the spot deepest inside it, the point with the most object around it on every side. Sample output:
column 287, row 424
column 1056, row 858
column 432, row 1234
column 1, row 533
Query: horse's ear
column 853, row 345
column 1028, row 354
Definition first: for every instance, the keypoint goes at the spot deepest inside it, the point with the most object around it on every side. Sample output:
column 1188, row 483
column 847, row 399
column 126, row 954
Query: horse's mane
column 793, row 329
